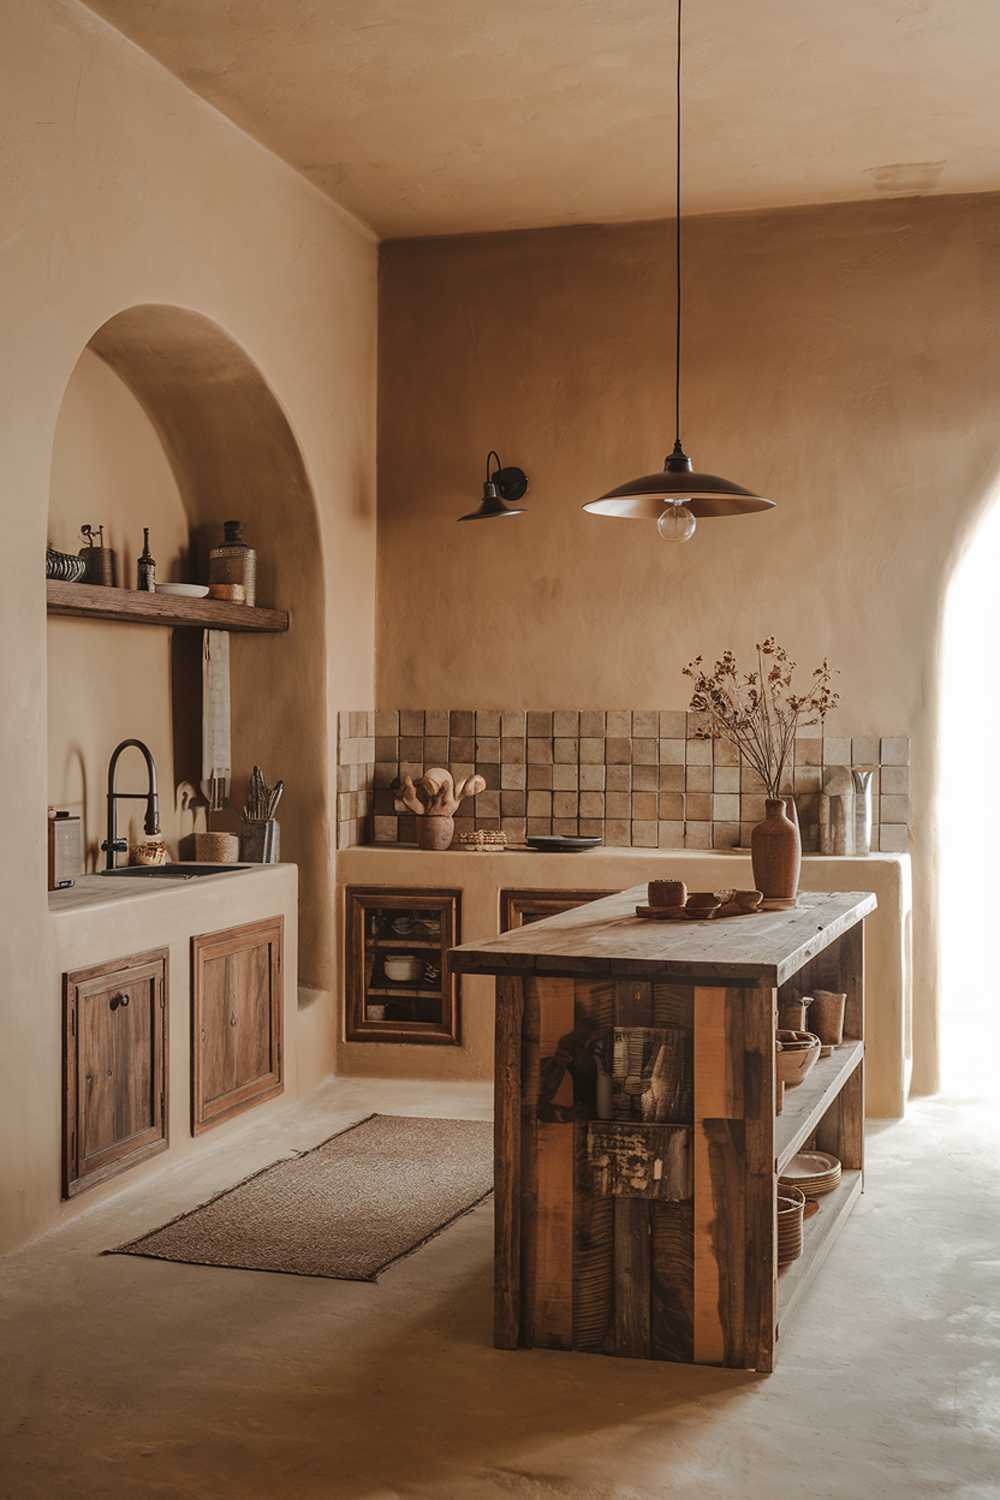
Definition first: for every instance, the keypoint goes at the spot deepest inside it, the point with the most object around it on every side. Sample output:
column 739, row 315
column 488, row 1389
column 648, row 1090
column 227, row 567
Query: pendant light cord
column 677, row 254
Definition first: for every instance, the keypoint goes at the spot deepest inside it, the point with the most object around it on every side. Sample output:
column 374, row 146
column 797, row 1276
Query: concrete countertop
column 94, row 891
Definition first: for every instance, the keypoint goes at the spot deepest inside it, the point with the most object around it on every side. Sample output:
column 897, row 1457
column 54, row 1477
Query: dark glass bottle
column 147, row 566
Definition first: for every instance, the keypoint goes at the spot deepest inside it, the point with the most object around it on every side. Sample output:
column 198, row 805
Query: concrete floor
column 127, row 1377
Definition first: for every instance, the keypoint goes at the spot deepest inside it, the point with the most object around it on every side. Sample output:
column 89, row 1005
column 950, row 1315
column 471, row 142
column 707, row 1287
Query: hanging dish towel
column 216, row 758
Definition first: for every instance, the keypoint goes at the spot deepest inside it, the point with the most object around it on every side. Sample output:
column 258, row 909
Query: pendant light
column 499, row 486
column 678, row 495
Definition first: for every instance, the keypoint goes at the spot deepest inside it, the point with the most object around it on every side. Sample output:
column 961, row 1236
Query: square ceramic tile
column 671, row 778
column 462, row 721
column 407, row 828
column 385, row 772
column 697, row 835
column 565, row 778
column 808, row 752
column 591, row 804
column 699, row 752
column 696, row 722
column 566, row 751
column 864, row 750
column 539, row 778
column 894, row 838
column 645, row 778
column 539, row 724
column 384, row 802
column 437, row 721
column 671, row 807
column 487, row 723
column 808, row 778
column 672, row 752
column 344, row 723
column 836, row 750
column 644, row 752
column 489, row 770
column 670, row 835
column 493, row 824
column 514, row 721
column 411, row 721
column 896, row 751
column 645, row 835
column 725, row 754
column 618, row 751
column 384, row 830
column 566, row 723
column 513, row 804
column 567, row 828
column 752, row 808
column 725, row 835
column 386, row 747
column 487, row 805
column 618, row 833
column 698, row 778
column 813, row 731
column 539, row 804
column 488, row 748
column 512, row 778
column 895, row 780
column 617, row 805
column 673, row 724
column 591, row 751
column 644, row 806
column 619, row 723
column 592, row 828
column 894, row 808
column 727, row 778
column 461, row 770
column 697, row 807
column 387, row 722
column 514, row 828
column 750, row 781
column 593, row 723
column 539, row 752
column 411, row 769
column 512, row 750
column 538, row 827
column 565, row 804
column 592, row 778
column 645, row 724
column 436, row 750
column 725, row 808
column 618, row 778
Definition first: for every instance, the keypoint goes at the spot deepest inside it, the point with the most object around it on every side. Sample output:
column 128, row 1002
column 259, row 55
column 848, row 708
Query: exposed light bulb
column 676, row 524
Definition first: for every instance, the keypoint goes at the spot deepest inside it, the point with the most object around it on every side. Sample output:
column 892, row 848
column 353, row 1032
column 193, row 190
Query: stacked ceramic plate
column 812, row 1172
column 791, row 1210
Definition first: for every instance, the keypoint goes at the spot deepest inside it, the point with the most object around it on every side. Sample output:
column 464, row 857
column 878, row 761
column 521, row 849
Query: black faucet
column 113, row 844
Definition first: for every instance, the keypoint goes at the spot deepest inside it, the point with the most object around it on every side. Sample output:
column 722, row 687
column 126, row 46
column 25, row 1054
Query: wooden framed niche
column 237, row 1016
column 115, row 1028
column 387, row 927
column 521, row 908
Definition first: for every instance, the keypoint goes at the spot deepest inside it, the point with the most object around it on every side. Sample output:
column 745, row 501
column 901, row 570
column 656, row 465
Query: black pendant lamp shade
column 678, row 494
column 499, row 486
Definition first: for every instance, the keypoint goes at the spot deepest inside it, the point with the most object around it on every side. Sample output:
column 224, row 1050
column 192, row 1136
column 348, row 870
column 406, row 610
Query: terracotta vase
column 435, row 831
column 776, row 853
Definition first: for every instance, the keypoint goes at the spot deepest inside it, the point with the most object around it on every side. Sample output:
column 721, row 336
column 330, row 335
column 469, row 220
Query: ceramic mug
column 826, row 1016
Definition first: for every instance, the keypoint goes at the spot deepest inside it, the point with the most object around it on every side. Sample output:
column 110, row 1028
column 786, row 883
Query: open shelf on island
column 818, row 1235
column 95, row 602
column 806, row 1105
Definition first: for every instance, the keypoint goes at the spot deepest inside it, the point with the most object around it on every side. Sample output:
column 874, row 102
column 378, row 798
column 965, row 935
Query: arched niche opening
column 168, row 422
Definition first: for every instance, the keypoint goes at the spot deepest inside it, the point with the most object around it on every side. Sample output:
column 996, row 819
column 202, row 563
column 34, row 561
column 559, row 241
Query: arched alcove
column 232, row 454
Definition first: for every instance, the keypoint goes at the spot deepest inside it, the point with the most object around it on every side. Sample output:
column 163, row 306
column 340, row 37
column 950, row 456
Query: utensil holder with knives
column 260, row 841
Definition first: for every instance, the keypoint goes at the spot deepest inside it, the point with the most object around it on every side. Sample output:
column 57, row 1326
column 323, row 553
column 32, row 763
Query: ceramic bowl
column 184, row 590
column 748, row 900
column 403, row 968
column 797, row 1055
column 704, row 901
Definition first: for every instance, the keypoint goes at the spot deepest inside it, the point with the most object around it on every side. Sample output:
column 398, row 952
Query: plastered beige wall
column 844, row 361
column 107, row 682
column 120, row 189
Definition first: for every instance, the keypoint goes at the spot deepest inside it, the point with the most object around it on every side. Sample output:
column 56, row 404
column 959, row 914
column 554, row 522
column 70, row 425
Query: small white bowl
column 403, row 969
column 186, row 590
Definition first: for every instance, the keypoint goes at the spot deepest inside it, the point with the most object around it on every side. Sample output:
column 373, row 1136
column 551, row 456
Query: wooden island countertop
column 637, row 1140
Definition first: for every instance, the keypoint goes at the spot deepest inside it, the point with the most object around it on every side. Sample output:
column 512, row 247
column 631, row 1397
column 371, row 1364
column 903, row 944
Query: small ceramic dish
column 184, row 590
column 403, row 969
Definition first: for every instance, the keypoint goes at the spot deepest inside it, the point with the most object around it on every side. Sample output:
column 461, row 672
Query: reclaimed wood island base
column 655, row 1237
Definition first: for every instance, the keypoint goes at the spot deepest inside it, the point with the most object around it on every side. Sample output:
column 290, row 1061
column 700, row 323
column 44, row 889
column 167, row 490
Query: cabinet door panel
column 114, row 1068
column 236, row 1020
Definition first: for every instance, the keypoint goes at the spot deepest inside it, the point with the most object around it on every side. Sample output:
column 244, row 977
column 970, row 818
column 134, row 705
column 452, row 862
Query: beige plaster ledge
column 481, row 877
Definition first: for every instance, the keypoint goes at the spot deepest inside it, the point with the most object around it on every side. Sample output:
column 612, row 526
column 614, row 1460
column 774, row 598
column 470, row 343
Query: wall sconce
column 500, row 486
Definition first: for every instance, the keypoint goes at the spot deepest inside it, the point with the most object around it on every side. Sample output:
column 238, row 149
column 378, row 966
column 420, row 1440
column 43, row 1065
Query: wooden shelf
column 806, row 1105
column 405, row 943
column 92, row 601
column 818, row 1235
column 404, row 992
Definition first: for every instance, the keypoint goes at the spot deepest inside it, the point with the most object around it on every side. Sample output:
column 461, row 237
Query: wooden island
column 658, row 1240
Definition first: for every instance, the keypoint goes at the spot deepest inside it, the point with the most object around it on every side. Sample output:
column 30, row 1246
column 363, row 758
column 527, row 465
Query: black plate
column 550, row 843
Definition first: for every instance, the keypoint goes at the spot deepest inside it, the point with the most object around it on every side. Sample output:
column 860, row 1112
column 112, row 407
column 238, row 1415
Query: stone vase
column 435, row 831
column 776, row 854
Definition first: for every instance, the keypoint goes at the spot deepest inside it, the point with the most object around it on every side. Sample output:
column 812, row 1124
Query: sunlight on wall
column 970, row 752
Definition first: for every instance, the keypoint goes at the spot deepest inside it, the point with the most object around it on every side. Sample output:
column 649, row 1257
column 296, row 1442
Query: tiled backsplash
column 631, row 776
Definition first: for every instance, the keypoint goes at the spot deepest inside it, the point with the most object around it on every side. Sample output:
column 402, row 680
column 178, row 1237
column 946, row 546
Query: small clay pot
column 792, row 1015
column 435, row 831
column 797, row 1055
column 826, row 1016
column 669, row 893
column 776, row 853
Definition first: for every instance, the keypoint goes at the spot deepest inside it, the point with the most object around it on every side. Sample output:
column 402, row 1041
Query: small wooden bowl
column 796, row 1059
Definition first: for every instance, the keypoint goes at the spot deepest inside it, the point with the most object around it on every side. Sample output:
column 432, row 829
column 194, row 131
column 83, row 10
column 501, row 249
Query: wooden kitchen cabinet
column 236, row 1020
column 114, row 1068
column 521, row 908
column 398, row 987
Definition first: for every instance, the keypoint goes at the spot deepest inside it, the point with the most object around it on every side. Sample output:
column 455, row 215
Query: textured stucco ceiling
column 448, row 116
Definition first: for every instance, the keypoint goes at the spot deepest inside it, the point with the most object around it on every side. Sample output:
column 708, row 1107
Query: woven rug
column 348, row 1208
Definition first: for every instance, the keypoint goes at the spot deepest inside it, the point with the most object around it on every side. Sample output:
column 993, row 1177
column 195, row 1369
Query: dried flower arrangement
column 758, row 712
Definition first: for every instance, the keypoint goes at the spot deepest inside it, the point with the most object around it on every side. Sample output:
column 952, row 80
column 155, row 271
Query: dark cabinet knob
column 119, row 1000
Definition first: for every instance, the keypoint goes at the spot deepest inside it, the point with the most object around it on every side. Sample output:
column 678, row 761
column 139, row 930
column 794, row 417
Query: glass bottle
column 234, row 561
column 147, row 566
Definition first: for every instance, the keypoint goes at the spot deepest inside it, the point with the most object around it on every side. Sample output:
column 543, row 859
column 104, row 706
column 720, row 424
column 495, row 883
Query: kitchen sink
column 178, row 871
